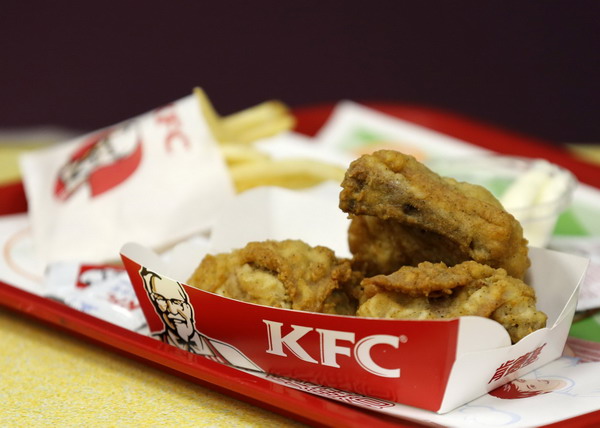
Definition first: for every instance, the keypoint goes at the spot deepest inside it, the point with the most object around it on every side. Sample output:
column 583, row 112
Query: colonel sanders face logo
column 171, row 303
column 103, row 161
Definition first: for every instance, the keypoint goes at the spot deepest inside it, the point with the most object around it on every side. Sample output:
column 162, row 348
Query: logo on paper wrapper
column 90, row 274
column 117, row 294
column 104, row 160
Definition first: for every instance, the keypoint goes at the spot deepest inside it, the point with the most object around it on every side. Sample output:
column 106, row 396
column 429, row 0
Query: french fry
column 264, row 120
column 236, row 154
column 260, row 130
column 212, row 118
column 261, row 121
column 248, row 166
column 288, row 173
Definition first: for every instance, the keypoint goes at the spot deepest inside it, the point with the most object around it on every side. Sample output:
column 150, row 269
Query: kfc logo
column 167, row 117
column 332, row 343
column 172, row 305
column 110, row 282
column 103, row 161
column 93, row 274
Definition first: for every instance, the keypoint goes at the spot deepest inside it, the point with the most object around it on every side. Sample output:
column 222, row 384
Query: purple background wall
column 530, row 66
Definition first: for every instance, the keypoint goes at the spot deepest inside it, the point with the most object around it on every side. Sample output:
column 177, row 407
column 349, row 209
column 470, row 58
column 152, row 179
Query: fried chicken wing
column 436, row 291
column 285, row 274
column 403, row 214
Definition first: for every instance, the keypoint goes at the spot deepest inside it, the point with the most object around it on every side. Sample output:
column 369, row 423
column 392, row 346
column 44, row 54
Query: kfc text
column 167, row 116
column 330, row 346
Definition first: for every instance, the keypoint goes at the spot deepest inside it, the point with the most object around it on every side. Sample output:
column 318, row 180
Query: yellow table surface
column 49, row 378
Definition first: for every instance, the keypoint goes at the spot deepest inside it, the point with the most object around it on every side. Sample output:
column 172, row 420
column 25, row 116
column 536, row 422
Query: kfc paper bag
column 154, row 179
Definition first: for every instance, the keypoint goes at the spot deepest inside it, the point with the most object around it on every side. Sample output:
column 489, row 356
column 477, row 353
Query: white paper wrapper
column 154, row 179
column 274, row 213
column 99, row 290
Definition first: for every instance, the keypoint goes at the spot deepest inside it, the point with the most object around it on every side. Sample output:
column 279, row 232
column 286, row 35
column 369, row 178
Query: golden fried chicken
column 284, row 274
column 403, row 214
column 436, row 291
column 382, row 246
column 344, row 300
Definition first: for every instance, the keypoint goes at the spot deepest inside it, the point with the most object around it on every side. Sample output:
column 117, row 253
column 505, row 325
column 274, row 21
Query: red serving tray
column 289, row 402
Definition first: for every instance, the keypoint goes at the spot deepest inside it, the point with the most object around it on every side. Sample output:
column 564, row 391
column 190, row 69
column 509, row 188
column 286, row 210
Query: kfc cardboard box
column 434, row 365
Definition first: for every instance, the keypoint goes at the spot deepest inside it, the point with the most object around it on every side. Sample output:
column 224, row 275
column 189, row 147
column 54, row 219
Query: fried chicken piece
column 403, row 214
column 436, row 291
column 344, row 300
column 284, row 274
column 339, row 303
column 392, row 244
column 383, row 246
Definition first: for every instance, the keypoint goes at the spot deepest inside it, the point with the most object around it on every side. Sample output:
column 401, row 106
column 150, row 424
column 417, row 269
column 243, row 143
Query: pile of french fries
column 250, row 167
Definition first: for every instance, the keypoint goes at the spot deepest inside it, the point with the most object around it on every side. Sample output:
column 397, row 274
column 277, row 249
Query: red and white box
column 434, row 365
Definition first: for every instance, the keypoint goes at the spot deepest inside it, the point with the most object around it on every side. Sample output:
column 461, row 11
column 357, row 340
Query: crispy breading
column 404, row 213
column 436, row 291
column 382, row 246
column 285, row 274
column 431, row 279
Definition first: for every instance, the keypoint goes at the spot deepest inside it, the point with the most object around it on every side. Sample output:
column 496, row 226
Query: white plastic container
column 535, row 191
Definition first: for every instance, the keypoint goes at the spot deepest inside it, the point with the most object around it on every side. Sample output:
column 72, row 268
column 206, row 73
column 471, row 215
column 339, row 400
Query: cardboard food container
column 434, row 365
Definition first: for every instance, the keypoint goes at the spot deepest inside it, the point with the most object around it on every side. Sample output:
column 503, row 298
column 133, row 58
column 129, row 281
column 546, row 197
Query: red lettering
column 512, row 366
column 534, row 355
column 519, row 362
column 173, row 136
column 501, row 371
column 168, row 117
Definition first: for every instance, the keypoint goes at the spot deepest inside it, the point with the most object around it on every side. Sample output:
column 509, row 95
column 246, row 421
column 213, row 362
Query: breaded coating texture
column 285, row 274
column 436, row 291
column 403, row 214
